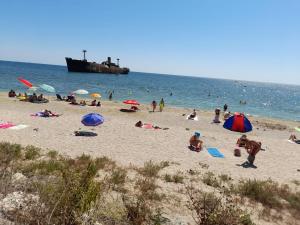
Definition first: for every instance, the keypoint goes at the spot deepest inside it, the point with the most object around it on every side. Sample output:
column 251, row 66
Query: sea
column 262, row 99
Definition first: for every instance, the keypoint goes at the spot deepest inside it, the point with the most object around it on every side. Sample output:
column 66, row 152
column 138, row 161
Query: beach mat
column 215, row 152
column 18, row 127
column 195, row 118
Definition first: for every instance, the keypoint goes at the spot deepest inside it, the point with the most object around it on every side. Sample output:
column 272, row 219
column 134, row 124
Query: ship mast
column 84, row 51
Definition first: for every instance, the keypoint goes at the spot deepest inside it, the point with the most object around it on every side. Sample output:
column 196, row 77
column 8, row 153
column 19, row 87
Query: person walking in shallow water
column 161, row 105
column 110, row 96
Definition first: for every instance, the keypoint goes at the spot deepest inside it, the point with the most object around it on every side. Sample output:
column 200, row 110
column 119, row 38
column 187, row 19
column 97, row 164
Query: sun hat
column 197, row 134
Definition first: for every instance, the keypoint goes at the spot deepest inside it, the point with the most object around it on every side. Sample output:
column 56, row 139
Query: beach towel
column 148, row 126
column 195, row 118
column 215, row 152
column 18, row 127
column 6, row 125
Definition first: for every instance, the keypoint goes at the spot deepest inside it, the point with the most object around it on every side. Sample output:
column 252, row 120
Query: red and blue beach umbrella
column 238, row 123
column 92, row 119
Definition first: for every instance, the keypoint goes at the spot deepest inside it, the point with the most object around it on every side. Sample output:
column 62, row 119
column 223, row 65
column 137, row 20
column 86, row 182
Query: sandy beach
column 120, row 140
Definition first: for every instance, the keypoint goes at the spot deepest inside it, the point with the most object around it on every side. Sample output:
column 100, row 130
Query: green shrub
column 176, row 178
column 31, row 152
column 151, row 169
column 52, row 154
column 266, row 192
column 208, row 209
column 9, row 152
column 211, row 180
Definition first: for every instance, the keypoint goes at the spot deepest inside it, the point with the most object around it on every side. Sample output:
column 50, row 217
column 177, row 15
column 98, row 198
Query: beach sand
column 120, row 140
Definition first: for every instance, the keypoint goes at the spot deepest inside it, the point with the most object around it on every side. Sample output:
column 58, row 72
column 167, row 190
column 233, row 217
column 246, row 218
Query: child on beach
column 195, row 142
column 154, row 104
column 217, row 116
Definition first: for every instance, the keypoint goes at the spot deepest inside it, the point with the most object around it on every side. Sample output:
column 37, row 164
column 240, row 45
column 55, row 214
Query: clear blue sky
column 234, row 39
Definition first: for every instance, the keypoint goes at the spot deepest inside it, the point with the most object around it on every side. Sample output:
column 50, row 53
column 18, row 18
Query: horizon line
column 167, row 74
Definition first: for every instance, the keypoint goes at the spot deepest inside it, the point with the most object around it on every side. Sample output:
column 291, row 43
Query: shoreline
column 203, row 110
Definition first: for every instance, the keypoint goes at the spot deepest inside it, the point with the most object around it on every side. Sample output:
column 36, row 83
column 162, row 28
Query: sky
column 257, row 40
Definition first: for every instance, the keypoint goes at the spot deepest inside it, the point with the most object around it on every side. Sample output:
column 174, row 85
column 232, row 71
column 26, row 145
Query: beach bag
column 237, row 152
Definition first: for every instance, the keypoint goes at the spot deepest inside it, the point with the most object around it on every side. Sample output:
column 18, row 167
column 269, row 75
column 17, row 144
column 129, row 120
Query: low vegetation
column 85, row 190
column 210, row 209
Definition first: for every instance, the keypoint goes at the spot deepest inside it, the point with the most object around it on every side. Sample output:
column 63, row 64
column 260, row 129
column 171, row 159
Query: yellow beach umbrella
column 95, row 95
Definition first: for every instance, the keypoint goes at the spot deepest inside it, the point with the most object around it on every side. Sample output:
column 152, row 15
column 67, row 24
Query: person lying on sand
column 140, row 124
column 241, row 142
column 192, row 115
column 293, row 138
column 195, row 142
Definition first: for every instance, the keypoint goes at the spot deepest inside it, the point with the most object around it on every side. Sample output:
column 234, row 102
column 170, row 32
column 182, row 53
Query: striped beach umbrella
column 238, row 123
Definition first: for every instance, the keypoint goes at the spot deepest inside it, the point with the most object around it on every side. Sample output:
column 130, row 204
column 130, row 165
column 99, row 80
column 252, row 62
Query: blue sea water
column 263, row 99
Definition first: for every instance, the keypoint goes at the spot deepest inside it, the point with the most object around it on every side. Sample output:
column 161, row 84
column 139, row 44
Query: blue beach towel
column 215, row 152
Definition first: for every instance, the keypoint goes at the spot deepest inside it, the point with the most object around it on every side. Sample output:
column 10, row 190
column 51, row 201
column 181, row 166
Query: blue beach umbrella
column 92, row 119
column 47, row 88
column 238, row 123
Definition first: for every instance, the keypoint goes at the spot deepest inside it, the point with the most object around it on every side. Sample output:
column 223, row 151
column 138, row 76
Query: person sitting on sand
column 73, row 101
column 82, row 103
column 93, row 103
column 12, row 94
column 154, row 104
column 134, row 108
column 226, row 115
column 139, row 124
column 241, row 142
column 98, row 104
column 192, row 115
column 252, row 148
column 40, row 97
column 217, row 116
column 293, row 138
column 195, row 142
column 33, row 98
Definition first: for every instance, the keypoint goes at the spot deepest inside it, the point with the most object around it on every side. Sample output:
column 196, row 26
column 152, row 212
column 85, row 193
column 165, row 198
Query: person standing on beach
column 252, row 148
column 154, row 104
column 161, row 105
column 225, row 107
